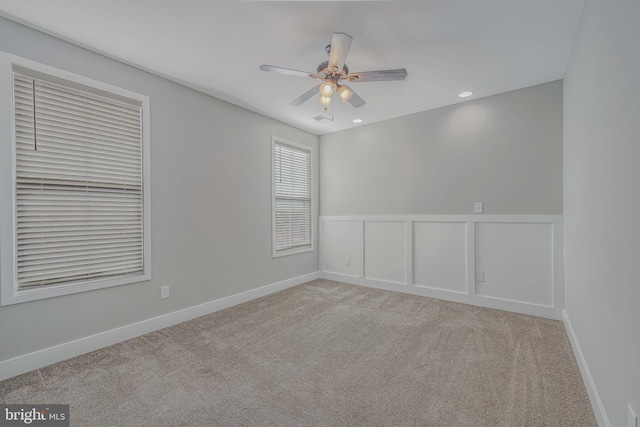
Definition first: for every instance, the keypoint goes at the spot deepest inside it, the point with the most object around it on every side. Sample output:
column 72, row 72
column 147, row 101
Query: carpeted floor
column 326, row 354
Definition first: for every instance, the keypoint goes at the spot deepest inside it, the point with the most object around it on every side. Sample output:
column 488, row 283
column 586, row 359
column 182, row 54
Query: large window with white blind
column 79, row 216
column 292, row 198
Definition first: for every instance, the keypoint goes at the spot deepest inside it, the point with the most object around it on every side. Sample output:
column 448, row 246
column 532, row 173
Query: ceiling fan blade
column 305, row 96
column 378, row 76
column 340, row 45
column 287, row 71
column 355, row 100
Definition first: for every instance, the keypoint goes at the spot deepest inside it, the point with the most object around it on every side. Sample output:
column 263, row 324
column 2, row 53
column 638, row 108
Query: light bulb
column 326, row 89
column 465, row 94
column 345, row 93
column 325, row 101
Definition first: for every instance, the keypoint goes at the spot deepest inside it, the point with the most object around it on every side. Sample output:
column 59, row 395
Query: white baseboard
column 38, row 359
column 499, row 304
column 596, row 403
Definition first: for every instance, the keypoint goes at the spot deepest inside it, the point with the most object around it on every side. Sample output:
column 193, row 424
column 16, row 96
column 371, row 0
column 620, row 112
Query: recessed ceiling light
column 465, row 94
column 357, row 120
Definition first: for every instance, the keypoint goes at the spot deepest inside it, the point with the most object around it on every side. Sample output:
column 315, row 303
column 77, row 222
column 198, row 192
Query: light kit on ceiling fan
column 326, row 89
column 333, row 71
column 345, row 93
column 325, row 101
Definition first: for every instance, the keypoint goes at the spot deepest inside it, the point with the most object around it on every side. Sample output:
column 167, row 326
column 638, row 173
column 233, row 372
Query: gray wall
column 211, row 205
column 503, row 150
column 602, row 199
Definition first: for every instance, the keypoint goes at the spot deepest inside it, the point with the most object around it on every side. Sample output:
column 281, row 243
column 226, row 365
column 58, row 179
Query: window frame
column 277, row 254
column 9, row 292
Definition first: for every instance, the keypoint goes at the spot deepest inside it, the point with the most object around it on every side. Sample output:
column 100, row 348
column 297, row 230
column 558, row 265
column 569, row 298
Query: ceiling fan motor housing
column 324, row 72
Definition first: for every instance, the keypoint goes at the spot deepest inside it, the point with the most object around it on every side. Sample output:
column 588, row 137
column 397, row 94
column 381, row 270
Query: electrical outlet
column 348, row 261
column 479, row 276
column 477, row 207
column 633, row 420
column 164, row 292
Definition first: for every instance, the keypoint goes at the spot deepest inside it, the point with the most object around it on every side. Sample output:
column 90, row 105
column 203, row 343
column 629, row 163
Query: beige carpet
column 326, row 354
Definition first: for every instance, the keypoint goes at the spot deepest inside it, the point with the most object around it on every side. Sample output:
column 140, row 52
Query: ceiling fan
column 334, row 71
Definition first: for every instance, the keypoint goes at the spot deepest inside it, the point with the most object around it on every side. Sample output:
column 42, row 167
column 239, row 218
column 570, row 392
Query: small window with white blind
column 78, row 188
column 292, row 198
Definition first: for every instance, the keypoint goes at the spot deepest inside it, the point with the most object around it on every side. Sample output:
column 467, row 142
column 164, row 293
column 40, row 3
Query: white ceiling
column 447, row 46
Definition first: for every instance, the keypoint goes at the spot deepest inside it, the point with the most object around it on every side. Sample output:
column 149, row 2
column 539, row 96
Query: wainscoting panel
column 517, row 261
column 443, row 256
column 340, row 252
column 385, row 256
column 440, row 255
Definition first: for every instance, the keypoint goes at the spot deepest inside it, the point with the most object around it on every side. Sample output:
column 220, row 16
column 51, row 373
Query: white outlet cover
column 477, row 207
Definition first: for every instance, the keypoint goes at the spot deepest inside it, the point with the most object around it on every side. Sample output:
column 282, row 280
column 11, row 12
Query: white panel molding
column 558, row 265
column 408, row 233
column 471, row 258
column 544, row 219
column 342, row 237
column 440, row 259
column 594, row 397
column 392, row 267
column 517, row 261
column 321, row 266
column 360, row 248
column 436, row 290
column 38, row 359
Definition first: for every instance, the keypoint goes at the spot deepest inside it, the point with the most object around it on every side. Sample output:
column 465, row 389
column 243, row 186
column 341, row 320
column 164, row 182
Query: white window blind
column 79, row 192
column 292, row 198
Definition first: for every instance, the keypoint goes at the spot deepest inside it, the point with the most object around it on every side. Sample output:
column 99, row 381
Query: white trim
column 471, row 258
column 523, row 219
column 337, row 273
column 69, row 76
column 293, row 251
column 469, row 296
column 47, row 356
column 360, row 248
column 9, row 293
column 498, row 304
column 435, row 288
column 51, row 291
column 7, row 166
column 408, row 238
column 408, row 225
column 378, row 280
column 274, row 253
column 515, row 301
column 558, row 264
column 594, row 397
column 320, row 246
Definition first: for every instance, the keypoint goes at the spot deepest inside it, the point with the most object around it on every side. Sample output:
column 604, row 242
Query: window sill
column 291, row 252
column 26, row 295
